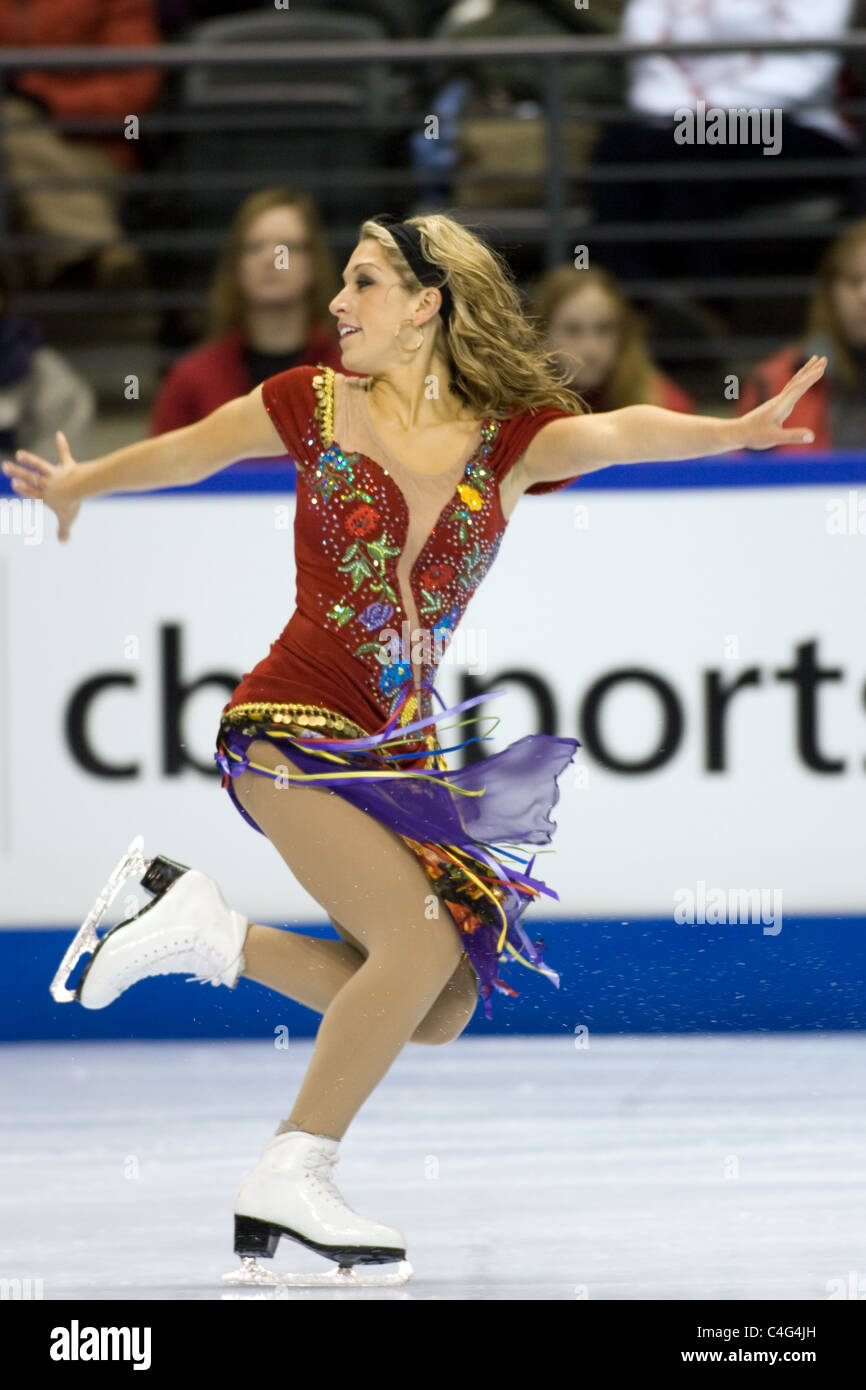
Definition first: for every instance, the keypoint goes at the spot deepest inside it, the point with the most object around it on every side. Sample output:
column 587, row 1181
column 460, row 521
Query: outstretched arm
column 647, row 433
column 239, row 429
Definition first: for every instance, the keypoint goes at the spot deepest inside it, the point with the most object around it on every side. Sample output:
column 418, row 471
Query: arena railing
column 551, row 228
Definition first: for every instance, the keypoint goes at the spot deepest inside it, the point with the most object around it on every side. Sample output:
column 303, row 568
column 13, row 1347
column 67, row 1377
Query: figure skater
column 407, row 474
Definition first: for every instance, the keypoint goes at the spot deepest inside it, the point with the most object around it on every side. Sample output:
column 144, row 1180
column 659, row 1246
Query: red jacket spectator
column 574, row 312
column 217, row 372
column 116, row 92
column 812, row 411
column 673, row 397
column 667, row 395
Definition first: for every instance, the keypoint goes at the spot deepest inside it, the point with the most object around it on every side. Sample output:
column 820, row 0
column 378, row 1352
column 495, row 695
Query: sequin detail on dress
column 356, row 502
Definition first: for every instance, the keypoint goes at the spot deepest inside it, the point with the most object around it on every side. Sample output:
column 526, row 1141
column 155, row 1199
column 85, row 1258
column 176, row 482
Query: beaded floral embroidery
column 455, row 557
column 335, row 470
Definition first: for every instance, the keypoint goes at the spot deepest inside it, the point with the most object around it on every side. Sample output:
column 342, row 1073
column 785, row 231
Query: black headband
column 408, row 238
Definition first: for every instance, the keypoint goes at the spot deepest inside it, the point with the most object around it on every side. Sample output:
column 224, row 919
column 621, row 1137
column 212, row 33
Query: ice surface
column 713, row 1166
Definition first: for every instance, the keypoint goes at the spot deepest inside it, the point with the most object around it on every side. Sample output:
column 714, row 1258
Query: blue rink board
column 642, row 976
column 755, row 468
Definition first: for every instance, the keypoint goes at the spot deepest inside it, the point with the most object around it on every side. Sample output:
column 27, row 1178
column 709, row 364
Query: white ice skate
column 188, row 927
column 291, row 1192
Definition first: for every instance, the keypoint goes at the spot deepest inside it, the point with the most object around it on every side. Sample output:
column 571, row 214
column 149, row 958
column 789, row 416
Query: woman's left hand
column 762, row 428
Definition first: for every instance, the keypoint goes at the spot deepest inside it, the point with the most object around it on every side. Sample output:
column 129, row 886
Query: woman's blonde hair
column 226, row 303
column 823, row 316
column 634, row 378
column 497, row 362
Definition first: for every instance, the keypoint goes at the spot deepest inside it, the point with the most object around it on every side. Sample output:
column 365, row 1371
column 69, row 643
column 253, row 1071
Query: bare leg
column 304, row 968
column 311, row 971
column 364, row 876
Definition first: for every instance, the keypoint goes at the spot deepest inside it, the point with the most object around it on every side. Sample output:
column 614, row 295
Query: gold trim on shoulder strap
column 323, row 385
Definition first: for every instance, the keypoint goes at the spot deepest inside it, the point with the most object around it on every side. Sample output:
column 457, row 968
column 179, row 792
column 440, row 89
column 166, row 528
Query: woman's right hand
column 48, row 482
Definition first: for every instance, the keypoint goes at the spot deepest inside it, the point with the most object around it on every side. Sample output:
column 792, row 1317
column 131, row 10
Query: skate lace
column 178, row 963
column 320, row 1164
column 217, row 963
column 323, row 1161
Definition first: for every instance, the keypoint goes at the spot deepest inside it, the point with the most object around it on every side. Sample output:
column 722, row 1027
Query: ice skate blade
column 86, row 939
column 341, row 1277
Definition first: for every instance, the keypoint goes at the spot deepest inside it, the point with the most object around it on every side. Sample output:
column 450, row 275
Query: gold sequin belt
column 295, row 716
column 301, row 716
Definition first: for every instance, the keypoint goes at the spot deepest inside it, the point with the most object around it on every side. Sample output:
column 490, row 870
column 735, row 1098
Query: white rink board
column 658, row 579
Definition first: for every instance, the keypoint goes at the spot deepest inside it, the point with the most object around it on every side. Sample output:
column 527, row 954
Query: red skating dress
column 387, row 560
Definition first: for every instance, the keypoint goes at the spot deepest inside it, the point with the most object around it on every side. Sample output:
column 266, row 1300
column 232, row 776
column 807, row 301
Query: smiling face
column 369, row 310
column 586, row 326
column 849, row 297
column 269, row 277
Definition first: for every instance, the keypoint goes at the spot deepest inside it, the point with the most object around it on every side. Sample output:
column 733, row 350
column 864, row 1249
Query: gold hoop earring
column 419, row 331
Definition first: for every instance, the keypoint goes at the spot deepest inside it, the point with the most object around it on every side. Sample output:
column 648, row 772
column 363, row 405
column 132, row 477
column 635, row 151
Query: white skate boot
column 188, row 927
column 291, row 1192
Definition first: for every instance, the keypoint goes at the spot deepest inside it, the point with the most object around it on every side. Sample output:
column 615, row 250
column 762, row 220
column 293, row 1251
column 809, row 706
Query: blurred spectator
column 505, row 80
column 34, row 149
column 39, row 391
column 265, row 316
column 835, row 408
column 492, row 134
column 598, row 339
column 661, row 87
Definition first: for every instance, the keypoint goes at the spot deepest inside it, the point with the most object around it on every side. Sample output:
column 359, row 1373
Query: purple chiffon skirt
column 466, row 844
